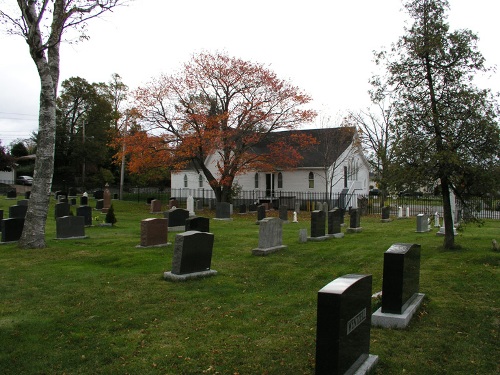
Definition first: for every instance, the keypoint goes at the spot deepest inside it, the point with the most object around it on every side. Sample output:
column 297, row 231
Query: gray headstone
column 302, row 235
column 223, row 210
column 86, row 213
column 422, row 223
column 270, row 236
column 192, row 252
column 70, row 227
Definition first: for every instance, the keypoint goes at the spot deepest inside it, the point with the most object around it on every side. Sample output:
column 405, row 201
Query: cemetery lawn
column 100, row 305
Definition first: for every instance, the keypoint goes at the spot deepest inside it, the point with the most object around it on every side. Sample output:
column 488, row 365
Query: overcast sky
column 322, row 46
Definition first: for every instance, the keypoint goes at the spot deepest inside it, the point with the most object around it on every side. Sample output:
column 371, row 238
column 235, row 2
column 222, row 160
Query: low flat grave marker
column 400, row 285
column 270, row 236
column 192, row 256
column 343, row 326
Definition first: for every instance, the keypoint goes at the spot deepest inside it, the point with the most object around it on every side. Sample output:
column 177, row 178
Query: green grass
column 100, row 305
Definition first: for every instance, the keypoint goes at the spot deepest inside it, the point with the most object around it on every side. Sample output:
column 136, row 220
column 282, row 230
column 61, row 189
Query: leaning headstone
column 192, row 256
column 261, row 213
column 422, row 223
column 334, row 227
column 62, row 209
column 70, row 227
column 190, row 205
column 270, row 236
column 343, row 326
column 12, row 229
column 283, row 212
column 106, row 199
column 354, row 221
column 400, row 286
column 156, row 206
column 84, row 201
column 176, row 219
column 223, row 211
column 154, row 232
column 86, row 213
column 198, row 223
column 17, row 211
column 386, row 214
column 318, row 226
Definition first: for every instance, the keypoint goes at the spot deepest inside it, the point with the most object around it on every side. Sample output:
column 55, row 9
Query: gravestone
column 70, row 227
column 243, row 209
column 386, row 214
column 27, row 194
column 12, row 229
column 17, row 211
column 400, row 212
column 334, row 227
column 84, row 201
column 198, row 205
column 172, row 202
column 436, row 220
column 154, row 232
column 283, row 212
column 318, row 226
column 72, row 192
column 223, row 211
column 318, row 207
column 86, row 213
column 106, row 199
column 22, row 202
column 400, row 286
column 343, row 326
column 261, row 213
column 192, row 256
column 354, row 221
column 1, row 215
column 11, row 194
column 190, row 205
column 325, row 207
column 176, row 218
column 62, row 209
column 198, row 223
column 156, row 206
column 252, row 207
column 270, row 236
column 72, row 201
column 422, row 223
column 99, row 204
column 63, row 199
column 99, row 194
column 302, row 235
column 297, row 207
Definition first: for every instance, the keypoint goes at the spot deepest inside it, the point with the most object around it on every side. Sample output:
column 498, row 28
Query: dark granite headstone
column 252, row 207
column 176, row 217
column 72, row 201
column 154, row 232
column 1, row 214
column 318, row 223
column 18, row 211
column 72, row 192
column 343, row 325
column 261, row 212
column 386, row 212
column 283, row 212
column 401, row 278
column 192, row 252
column 86, row 212
column 354, row 218
column 334, row 221
column 12, row 229
column 223, row 210
column 27, row 195
column 70, row 227
column 243, row 208
column 99, row 204
column 99, row 194
column 62, row 209
column 11, row 194
column 198, row 223
column 22, row 202
column 84, row 201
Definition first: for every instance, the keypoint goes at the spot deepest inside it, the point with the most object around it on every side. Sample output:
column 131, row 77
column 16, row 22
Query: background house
column 334, row 166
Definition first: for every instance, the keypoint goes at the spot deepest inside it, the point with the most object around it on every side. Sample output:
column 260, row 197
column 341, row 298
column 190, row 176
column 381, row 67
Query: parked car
column 24, row 180
column 374, row 192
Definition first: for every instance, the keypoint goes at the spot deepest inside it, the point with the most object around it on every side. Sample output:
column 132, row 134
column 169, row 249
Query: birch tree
column 42, row 25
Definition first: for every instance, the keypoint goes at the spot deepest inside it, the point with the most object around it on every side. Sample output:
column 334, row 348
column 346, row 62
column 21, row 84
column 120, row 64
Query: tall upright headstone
column 318, row 224
column 270, row 236
column 354, row 221
column 192, row 256
column 334, row 225
column 154, row 232
column 223, row 211
column 261, row 213
column 190, row 205
column 422, row 223
column 106, row 199
column 283, row 212
column 343, row 326
column 400, row 286
column 86, row 213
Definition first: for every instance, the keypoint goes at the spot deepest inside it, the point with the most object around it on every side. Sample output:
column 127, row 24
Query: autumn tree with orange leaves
column 221, row 106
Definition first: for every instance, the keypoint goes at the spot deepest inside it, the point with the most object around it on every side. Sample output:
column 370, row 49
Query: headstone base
column 336, row 235
column 354, row 230
column 223, row 218
column 180, row 228
column 423, row 231
column 367, row 366
column 318, row 239
column 387, row 320
column 269, row 250
column 188, row 276
column 157, row 245
column 71, row 238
